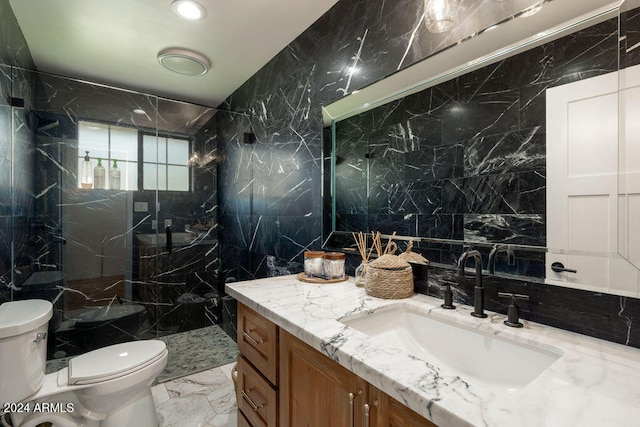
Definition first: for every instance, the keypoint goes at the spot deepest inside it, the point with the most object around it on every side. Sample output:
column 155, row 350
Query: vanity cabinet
column 283, row 381
column 257, row 387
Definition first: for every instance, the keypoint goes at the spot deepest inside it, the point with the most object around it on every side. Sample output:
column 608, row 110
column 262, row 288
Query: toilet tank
column 23, row 348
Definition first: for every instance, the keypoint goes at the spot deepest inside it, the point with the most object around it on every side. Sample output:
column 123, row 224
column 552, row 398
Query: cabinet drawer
column 258, row 342
column 257, row 399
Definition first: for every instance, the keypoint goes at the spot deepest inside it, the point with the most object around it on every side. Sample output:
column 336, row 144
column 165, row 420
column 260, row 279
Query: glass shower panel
column 82, row 238
column 101, row 255
column 187, row 287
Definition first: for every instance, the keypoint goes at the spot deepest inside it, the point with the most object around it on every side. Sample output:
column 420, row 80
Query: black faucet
column 491, row 264
column 478, row 290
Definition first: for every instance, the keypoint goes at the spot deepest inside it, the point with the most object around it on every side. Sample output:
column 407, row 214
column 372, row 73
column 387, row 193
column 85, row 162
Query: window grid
column 127, row 160
column 165, row 173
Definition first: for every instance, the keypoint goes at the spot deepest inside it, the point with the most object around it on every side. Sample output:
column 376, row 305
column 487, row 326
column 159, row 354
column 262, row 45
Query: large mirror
column 128, row 250
column 453, row 152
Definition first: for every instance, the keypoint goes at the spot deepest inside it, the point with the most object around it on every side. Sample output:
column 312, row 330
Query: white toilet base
column 140, row 413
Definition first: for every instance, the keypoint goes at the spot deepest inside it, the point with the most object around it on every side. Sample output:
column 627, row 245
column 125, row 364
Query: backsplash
column 600, row 315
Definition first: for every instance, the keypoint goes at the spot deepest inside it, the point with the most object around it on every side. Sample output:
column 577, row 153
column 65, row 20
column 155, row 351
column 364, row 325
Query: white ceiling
column 115, row 42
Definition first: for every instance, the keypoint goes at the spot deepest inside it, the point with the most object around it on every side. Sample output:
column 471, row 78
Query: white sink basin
column 476, row 356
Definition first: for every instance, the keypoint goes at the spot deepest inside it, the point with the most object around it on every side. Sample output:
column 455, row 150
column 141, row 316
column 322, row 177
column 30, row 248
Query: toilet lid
column 114, row 361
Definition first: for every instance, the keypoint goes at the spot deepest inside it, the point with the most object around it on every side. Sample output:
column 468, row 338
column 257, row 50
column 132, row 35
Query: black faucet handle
column 513, row 312
column 448, row 297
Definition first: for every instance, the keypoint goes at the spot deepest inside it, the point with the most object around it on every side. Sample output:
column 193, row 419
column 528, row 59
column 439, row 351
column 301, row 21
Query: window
column 165, row 163
column 109, row 143
column 165, row 160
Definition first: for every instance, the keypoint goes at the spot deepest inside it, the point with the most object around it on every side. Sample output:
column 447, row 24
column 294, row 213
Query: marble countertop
column 593, row 383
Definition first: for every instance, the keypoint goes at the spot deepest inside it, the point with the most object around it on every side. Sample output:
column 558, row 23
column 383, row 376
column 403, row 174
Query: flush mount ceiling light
column 440, row 15
column 188, row 9
column 184, row 61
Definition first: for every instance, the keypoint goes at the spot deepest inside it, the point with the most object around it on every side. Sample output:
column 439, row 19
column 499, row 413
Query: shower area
column 108, row 209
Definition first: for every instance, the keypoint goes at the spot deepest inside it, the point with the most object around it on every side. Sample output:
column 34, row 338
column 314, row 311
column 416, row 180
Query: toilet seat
column 114, row 361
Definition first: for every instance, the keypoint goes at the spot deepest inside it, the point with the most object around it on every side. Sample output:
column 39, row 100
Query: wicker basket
column 389, row 277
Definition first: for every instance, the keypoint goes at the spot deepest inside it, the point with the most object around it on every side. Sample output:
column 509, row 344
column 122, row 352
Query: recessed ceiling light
column 188, row 9
column 184, row 61
column 139, row 111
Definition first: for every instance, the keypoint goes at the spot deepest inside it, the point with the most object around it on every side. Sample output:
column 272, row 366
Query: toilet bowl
column 107, row 387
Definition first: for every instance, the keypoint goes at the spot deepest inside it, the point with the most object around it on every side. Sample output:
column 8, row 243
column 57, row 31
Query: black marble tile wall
column 283, row 100
column 464, row 159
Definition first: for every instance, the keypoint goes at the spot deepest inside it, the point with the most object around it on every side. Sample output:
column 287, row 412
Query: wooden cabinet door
column 314, row 390
column 385, row 411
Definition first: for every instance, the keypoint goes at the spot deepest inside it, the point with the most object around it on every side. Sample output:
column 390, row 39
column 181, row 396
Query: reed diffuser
column 376, row 244
column 361, row 244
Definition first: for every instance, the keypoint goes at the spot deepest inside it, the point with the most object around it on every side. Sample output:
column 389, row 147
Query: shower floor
column 189, row 352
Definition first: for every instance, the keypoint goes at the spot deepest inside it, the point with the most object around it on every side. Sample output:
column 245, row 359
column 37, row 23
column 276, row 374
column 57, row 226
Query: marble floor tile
column 204, row 399
column 223, row 400
column 224, row 420
column 201, row 383
column 160, row 395
column 185, row 411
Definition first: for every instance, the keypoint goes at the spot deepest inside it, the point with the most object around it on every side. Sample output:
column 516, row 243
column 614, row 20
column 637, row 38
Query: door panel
column 582, row 190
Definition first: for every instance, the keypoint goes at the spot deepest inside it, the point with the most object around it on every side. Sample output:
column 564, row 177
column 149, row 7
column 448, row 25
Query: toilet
column 107, row 387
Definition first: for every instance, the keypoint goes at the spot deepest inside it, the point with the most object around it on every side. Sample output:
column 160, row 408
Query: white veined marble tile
column 204, row 399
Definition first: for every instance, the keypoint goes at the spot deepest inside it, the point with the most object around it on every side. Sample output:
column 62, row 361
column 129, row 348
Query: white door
column 629, row 186
column 582, row 186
